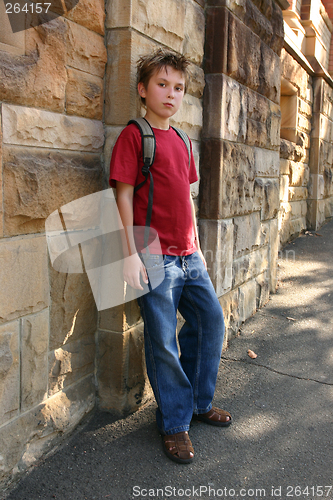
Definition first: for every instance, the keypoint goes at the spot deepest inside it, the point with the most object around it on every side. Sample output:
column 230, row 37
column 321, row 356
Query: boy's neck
column 157, row 122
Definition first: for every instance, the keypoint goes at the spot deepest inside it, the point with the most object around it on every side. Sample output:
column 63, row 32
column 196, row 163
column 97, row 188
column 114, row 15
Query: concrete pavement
column 280, row 444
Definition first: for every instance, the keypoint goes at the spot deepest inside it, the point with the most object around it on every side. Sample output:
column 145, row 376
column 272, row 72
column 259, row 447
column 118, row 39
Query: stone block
column 269, row 197
column 196, row 82
column 316, row 214
column 44, row 129
column 84, row 94
column 267, row 163
column 121, row 373
column 273, row 249
column 236, row 113
column 189, row 117
column 216, row 239
column 316, row 187
column 216, row 48
column 262, row 293
column 292, row 71
column 23, row 277
column 284, row 188
column 328, row 182
column 247, row 234
column 284, row 167
column 120, row 318
column 249, row 266
column 298, row 209
column 121, row 101
column 299, row 174
column 160, row 21
column 1, row 182
column 194, row 30
column 87, row 13
column 37, row 182
column 211, row 167
column 111, row 136
column 328, row 210
column 298, row 193
column 70, row 363
column 35, row 339
column 37, row 78
column 247, row 300
column 291, row 151
column 321, row 156
column 73, row 312
column 25, row 439
column 322, row 127
column 230, row 305
column 251, row 62
column 9, row 371
column 85, row 50
column 297, row 226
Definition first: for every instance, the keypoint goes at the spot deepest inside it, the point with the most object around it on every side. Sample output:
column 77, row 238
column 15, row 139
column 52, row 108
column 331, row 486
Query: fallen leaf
column 252, row 354
column 318, row 234
column 292, row 319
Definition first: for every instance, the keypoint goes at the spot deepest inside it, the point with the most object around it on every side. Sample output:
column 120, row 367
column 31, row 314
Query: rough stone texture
column 247, row 300
column 216, row 240
column 85, row 50
column 84, row 94
column 9, row 371
column 73, row 313
column 251, row 62
column 35, row 336
column 124, row 48
column 23, row 277
column 249, row 266
column 121, row 372
column 39, row 77
column 120, row 318
column 33, row 127
column 87, row 13
column 111, row 135
column 236, row 113
column 296, row 75
column 26, row 438
column 273, row 254
column 70, row 363
column 1, row 189
column 150, row 18
column 194, row 32
column 189, row 117
column 247, row 233
column 37, row 182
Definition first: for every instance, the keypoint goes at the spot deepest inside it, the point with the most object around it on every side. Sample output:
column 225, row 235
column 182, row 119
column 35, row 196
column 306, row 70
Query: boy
column 183, row 386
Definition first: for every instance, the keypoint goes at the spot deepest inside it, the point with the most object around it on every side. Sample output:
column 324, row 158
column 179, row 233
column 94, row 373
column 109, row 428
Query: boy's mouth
column 168, row 104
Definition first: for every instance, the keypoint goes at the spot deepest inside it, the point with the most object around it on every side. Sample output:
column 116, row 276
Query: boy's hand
column 133, row 268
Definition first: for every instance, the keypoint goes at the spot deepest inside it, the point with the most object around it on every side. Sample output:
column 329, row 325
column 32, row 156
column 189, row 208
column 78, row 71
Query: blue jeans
column 183, row 384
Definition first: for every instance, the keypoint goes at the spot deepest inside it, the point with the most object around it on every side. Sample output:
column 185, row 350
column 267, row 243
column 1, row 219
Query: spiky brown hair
column 152, row 63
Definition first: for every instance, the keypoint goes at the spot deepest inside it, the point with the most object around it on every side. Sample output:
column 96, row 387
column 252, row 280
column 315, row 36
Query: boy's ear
column 141, row 90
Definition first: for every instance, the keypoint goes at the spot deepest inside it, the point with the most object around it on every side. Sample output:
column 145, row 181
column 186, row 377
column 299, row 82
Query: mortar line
column 276, row 371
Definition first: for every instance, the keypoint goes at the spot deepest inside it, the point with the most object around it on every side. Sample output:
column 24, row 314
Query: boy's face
column 164, row 93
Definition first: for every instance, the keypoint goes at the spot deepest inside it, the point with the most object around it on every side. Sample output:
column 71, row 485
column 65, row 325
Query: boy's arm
column 133, row 265
column 197, row 243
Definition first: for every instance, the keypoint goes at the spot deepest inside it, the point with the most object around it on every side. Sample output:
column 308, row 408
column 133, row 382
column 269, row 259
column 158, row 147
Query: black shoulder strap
column 185, row 138
column 148, row 152
column 148, row 141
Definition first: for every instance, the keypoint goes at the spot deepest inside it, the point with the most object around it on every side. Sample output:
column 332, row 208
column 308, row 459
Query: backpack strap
column 148, row 152
column 186, row 140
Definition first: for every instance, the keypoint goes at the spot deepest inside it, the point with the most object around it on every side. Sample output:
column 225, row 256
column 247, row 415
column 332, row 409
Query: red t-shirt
column 171, row 215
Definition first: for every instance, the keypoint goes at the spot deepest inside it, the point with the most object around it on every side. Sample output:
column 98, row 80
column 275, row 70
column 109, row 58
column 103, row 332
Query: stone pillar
column 239, row 190
column 51, row 107
column 134, row 28
column 320, row 202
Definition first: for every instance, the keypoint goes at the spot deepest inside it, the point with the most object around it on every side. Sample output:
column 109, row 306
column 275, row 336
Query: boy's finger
column 144, row 274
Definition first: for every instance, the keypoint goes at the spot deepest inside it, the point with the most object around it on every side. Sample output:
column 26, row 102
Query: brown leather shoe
column 215, row 416
column 178, row 447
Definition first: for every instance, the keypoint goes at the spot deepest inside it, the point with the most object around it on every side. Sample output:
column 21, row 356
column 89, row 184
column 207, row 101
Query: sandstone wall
column 134, row 28
column 239, row 191
column 295, row 154
column 51, row 107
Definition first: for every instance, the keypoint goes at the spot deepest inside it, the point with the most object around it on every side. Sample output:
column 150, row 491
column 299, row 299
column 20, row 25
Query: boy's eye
column 162, row 84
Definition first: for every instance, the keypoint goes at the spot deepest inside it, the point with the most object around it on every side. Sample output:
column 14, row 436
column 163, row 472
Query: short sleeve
column 126, row 156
